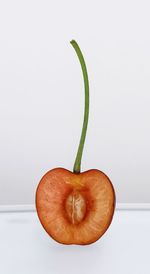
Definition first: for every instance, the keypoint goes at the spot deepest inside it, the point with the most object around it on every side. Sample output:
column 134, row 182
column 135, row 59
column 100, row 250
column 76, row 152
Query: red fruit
column 74, row 207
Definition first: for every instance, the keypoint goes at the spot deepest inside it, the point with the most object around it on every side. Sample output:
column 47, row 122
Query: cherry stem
column 77, row 164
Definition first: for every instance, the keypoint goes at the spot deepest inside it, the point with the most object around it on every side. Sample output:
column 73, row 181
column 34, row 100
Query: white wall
column 41, row 93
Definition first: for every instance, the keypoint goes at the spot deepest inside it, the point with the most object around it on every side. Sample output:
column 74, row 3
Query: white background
column 41, row 93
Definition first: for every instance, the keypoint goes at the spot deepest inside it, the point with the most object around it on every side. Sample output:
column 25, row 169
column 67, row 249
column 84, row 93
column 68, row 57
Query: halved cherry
column 74, row 207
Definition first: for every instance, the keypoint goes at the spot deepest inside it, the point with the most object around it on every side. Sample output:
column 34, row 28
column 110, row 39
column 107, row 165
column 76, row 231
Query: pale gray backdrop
column 41, row 93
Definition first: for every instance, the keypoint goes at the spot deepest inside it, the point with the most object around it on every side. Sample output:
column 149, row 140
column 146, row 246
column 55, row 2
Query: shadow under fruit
column 76, row 207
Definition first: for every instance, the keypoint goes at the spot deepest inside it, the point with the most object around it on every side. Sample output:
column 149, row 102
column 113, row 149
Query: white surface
column 26, row 248
column 41, row 91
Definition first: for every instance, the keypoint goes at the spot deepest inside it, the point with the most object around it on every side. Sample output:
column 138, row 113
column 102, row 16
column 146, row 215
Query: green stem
column 77, row 164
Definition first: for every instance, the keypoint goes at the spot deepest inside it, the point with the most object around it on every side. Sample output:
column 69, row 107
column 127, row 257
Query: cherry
column 76, row 207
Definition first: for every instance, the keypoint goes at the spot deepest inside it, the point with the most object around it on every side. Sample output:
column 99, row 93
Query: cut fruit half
column 75, row 208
